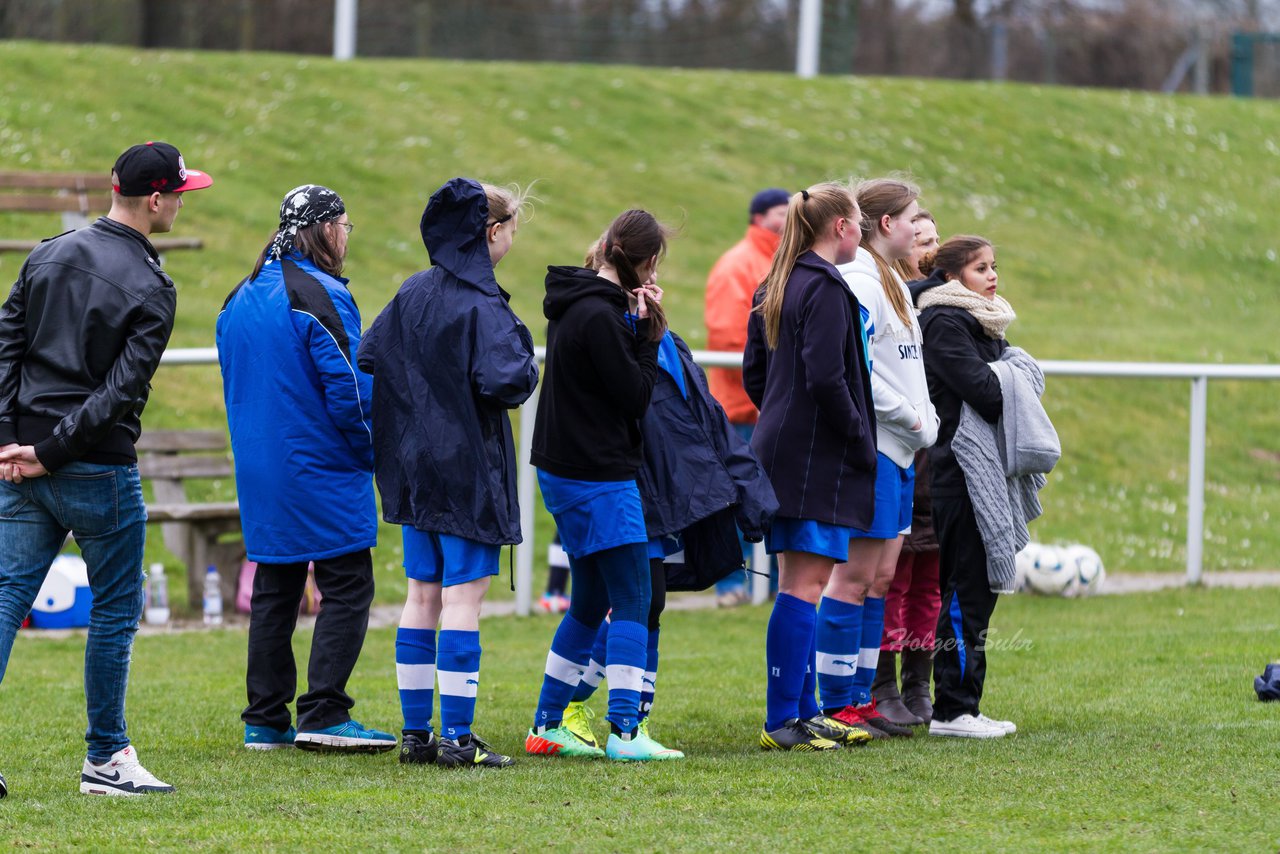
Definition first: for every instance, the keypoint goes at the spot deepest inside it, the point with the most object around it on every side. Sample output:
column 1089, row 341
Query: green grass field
column 1130, row 226
column 1138, row 730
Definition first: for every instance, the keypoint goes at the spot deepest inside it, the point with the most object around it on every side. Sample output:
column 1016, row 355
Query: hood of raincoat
column 453, row 228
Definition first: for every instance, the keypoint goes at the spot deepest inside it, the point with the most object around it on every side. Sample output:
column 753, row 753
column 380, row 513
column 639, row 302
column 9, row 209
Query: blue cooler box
column 64, row 600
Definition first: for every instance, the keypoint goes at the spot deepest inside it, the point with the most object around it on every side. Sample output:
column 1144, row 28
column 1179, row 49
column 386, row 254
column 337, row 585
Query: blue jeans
column 102, row 506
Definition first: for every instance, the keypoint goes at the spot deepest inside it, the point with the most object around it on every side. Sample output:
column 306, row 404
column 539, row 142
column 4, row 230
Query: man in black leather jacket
column 81, row 334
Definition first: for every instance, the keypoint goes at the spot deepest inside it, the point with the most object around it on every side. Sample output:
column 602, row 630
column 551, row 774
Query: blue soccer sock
column 869, row 654
column 650, row 679
column 458, row 669
column 416, row 676
column 594, row 673
column 566, row 661
column 839, row 639
column 808, row 707
column 625, row 659
column 787, row 645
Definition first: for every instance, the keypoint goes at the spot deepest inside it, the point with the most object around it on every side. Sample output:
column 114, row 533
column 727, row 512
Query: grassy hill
column 1129, row 226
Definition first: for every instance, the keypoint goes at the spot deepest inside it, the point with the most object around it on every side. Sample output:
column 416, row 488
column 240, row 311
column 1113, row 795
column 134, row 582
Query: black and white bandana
column 303, row 206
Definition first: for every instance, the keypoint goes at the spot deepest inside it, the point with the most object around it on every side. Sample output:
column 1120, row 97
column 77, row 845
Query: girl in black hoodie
column 602, row 358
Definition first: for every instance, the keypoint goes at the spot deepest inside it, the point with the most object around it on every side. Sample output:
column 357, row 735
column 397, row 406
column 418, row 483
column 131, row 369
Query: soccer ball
column 1086, row 570
column 1048, row 573
column 1022, row 563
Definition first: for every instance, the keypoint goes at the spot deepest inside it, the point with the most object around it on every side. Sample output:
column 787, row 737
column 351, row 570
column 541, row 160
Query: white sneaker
column 965, row 726
column 122, row 775
column 1009, row 727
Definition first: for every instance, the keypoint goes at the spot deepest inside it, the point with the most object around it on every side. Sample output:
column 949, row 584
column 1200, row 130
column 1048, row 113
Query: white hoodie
column 899, row 389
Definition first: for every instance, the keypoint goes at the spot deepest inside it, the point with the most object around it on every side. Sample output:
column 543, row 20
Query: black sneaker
column 794, row 735
column 4, row 787
column 416, row 750
column 872, row 716
column 470, row 751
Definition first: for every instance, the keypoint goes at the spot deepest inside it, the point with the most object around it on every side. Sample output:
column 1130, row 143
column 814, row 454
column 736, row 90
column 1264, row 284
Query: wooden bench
column 75, row 195
column 196, row 533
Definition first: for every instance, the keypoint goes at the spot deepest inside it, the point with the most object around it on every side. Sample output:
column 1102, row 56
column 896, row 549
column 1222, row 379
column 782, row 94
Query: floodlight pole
column 809, row 37
column 344, row 29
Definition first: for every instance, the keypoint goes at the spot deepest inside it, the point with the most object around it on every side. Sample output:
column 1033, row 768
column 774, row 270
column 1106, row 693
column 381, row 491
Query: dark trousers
column 657, row 591
column 960, row 660
column 346, row 590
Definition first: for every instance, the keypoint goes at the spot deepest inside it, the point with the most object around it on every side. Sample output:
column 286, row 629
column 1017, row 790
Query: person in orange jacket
column 730, row 287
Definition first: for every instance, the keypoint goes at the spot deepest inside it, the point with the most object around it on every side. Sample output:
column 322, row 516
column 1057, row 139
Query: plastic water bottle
column 212, row 597
column 157, row 613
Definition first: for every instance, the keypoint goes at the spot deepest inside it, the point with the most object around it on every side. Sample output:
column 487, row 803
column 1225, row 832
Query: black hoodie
column 597, row 383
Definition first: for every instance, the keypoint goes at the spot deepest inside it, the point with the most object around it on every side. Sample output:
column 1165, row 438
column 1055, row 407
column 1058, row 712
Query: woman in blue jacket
column 298, row 410
column 806, row 368
column 699, row 485
column 449, row 358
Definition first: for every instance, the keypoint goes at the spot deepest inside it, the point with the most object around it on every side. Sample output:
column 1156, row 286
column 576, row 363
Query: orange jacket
column 730, row 287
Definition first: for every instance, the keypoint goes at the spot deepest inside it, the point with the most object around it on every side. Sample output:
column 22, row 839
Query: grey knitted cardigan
column 1005, row 464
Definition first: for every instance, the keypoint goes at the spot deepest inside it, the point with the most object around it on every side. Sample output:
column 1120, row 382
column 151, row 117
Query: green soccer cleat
column 639, row 748
column 577, row 719
column 560, row 741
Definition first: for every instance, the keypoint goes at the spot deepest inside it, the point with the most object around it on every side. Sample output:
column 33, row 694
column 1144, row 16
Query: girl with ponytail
column 851, row 615
column 806, row 369
column 603, row 330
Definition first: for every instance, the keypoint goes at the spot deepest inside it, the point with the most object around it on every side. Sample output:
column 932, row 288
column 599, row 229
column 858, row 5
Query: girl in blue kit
column 805, row 367
column 448, row 359
column 601, row 367
column 851, row 614
column 699, row 485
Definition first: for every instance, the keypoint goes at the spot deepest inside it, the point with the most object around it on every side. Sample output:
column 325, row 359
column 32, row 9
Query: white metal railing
column 1198, row 374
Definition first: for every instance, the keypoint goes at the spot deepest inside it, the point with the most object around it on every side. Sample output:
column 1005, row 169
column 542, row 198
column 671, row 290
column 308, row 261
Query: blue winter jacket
column 299, row 412
column 695, row 464
column 449, row 357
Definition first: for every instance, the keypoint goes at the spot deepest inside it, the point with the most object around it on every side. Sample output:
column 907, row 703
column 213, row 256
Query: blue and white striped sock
column 624, row 665
column 458, row 669
column 594, row 673
column 650, row 680
column 566, row 662
column 869, row 654
column 416, row 676
column 839, row 639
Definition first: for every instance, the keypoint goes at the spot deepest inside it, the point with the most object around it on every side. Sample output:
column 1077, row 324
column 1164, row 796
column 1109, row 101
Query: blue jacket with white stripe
column 300, row 414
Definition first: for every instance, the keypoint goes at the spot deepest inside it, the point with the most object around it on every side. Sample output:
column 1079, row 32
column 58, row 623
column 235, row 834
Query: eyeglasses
column 346, row 226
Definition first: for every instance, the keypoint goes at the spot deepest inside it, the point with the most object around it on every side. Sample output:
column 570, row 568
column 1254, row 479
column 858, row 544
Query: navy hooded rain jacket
column 449, row 358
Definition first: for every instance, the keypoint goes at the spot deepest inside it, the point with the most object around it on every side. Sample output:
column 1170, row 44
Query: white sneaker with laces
column 1009, row 727
column 123, row 774
column 965, row 726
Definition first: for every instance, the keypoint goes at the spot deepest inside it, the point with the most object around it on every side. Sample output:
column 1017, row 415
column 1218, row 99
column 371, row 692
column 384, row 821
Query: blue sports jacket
column 449, row 357
column 299, row 412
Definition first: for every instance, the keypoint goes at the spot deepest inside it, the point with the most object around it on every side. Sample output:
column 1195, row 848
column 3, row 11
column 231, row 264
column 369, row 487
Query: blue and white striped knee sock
column 625, row 658
column 458, row 669
column 650, row 680
column 566, row 662
column 416, row 676
column 839, row 639
column 594, row 673
column 869, row 654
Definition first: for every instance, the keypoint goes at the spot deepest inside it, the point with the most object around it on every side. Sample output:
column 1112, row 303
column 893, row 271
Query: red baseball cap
column 155, row 167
